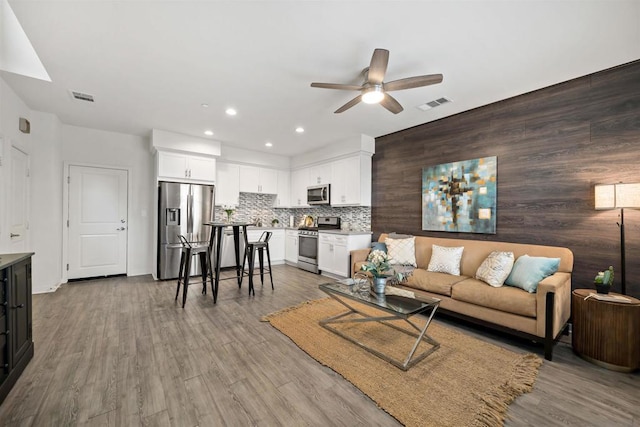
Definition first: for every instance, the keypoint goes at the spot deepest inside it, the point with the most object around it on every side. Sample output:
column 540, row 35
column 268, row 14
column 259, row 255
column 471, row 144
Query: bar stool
column 249, row 255
column 190, row 249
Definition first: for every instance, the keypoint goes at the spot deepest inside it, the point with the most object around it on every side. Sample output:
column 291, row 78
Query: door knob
column 14, row 235
column 120, row 229
column 122, row 221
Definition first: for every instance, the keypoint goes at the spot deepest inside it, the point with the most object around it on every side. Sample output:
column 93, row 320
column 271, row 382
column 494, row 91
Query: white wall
column 240, row 155
column 46, row 201
column 348, row 146
column 101, row 148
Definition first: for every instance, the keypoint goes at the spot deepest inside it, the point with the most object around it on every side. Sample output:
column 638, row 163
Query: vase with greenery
column 604, row 280
column 378, row 265
column 229, row 210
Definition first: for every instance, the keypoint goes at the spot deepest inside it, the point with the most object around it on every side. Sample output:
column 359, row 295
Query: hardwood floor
column 119, row 351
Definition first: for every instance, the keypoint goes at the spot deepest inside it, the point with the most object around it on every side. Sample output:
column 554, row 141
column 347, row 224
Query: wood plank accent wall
column 552, row 146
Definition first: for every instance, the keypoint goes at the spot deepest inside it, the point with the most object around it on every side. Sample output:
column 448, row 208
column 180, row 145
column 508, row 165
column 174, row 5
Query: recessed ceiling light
column 231, row 111
column 268, row 144
column 300, row 129
column 208, row 132
column 204, row 105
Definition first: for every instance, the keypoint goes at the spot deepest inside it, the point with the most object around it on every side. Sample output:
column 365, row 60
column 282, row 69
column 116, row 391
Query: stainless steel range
column 308, row 242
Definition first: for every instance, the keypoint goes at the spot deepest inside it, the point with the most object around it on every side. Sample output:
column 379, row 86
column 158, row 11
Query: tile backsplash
column 260, row 206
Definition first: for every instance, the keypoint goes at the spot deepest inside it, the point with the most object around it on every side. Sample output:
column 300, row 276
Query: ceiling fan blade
column 348, row 105
column 378, row 66
column 336, row 86
column 391, row 104
column 411, row 82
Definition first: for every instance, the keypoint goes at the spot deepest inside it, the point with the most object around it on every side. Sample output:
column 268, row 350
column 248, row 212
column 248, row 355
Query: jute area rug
column 466, row 382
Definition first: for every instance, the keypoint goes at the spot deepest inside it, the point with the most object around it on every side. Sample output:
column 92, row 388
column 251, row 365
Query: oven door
column 308, row 249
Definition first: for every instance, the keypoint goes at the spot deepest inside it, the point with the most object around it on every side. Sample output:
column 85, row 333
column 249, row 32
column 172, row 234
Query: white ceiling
column 151, row 64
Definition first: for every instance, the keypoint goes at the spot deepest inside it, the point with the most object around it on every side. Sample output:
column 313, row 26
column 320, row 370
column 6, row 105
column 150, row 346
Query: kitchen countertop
column 345, row 232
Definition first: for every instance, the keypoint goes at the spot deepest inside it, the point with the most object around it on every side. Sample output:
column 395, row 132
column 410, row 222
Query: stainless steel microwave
column 319, row 194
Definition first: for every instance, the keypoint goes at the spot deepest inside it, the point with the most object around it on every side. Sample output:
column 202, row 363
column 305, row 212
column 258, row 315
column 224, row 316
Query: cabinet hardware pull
column 19, row 306
column 7, row 332
column 5, row 304
column 14, row 235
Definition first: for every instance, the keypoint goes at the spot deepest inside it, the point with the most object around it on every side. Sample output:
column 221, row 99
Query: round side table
column 606, row 333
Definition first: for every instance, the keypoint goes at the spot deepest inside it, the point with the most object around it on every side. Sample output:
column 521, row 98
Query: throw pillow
column 495, row 269
column 445, row 259
column 402, row 251
column 394, row 235
column 528, row 271
column 380, row 246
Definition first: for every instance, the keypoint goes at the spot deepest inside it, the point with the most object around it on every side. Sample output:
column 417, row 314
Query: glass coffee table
column 395, row 308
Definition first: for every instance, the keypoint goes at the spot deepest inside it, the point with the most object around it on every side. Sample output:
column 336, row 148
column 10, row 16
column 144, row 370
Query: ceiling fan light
column 373, row 95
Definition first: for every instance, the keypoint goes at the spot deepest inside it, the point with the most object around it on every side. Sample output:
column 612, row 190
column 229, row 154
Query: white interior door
column 19, row 204
column 97, row 222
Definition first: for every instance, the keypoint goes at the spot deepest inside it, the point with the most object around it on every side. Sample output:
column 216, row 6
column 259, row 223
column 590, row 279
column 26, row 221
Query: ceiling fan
column 374, row 90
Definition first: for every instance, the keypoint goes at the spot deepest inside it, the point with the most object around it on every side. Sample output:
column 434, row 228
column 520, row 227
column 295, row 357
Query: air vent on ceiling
column 81, row 96
column 433, row 104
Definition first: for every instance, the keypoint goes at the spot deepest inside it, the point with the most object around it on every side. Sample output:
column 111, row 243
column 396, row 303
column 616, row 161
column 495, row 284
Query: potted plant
column 380, row 268
column 275, row 222
column 604, row 280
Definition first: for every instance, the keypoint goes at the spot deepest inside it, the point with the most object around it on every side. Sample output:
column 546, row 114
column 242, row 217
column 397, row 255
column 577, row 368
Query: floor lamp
column 618, row 196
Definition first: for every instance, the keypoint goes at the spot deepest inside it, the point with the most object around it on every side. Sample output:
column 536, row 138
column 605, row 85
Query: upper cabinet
column 258, row 180
column 299, row 183
column 319, row 174
column 186, row 167
column 351, row 181
column 227, row 184
column 283, row 197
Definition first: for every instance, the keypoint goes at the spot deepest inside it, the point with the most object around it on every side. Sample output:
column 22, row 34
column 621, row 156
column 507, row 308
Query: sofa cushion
column 509, row 299
column 439, row 283
column 495, row 269
column 528, row 271
column 445, row 259
column 402, row 251
column 380, row 246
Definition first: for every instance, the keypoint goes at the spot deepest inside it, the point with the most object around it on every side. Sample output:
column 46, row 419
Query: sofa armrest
column 560, row 284
column 358, row 256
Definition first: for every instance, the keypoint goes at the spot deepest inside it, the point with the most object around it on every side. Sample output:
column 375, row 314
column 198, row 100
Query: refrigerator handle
column 189, row 213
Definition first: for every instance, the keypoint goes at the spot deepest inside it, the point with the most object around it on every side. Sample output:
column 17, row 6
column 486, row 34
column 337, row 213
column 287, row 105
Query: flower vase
column 379, row 283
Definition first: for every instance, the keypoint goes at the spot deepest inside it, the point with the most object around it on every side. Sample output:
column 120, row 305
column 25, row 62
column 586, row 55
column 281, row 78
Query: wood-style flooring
column 119, row 351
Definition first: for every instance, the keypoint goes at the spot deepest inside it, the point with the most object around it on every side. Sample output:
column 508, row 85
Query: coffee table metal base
column 420, row 334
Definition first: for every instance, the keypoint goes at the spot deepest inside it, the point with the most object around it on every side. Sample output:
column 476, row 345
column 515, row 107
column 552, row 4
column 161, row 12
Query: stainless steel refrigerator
column 182, row 210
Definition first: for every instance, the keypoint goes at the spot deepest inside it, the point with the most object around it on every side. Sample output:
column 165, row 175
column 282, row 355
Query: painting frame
column 461, row 196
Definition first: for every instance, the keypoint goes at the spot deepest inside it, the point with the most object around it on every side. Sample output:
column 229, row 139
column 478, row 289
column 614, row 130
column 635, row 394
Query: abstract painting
column 460, row 196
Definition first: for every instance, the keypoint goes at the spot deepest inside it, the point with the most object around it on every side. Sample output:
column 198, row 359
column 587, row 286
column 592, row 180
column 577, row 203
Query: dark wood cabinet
column 16, row 342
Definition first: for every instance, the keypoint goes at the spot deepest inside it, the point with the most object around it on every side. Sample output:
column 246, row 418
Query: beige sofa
column 539, row 316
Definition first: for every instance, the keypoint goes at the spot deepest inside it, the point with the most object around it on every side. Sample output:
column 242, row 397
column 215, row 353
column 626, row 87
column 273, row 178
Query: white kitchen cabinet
column 334, row 251
column 299, row 179
column 351, row 181
column 283, row 197
column 319, row 174
column 254, row 179
column 186, row 167
column 291, row 247
column 227, row 184
column 276, row 244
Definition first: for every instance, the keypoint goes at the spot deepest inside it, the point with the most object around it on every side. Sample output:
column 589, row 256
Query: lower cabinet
column 291, row 247
column 276, row 244
column 334, row 251
column 16, row 343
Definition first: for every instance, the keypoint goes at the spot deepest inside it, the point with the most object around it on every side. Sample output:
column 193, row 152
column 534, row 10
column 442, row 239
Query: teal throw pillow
column 528, row 271
column 379, row 246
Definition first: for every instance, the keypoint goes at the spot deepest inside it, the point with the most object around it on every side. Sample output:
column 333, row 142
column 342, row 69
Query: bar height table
column 217, row 231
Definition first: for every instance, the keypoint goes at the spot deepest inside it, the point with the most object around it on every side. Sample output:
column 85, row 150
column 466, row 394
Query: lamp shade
column 628, row 195
column 616, row 196
column 605, row 195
